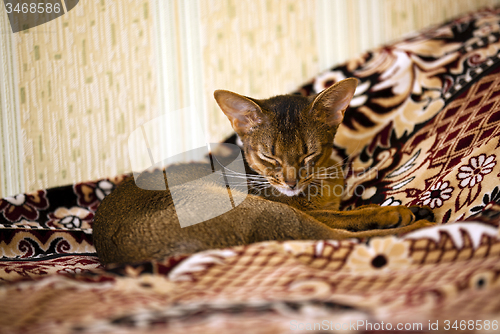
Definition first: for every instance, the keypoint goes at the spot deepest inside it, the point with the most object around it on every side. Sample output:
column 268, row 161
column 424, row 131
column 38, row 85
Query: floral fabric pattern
column 387, row 254
column 489, row 200
column 445, row 165
column 75, row 217
column 90, row 194
column 438, row 193
column 22, row 206
column 473, row 173
column 426, row 130
column 68, row 207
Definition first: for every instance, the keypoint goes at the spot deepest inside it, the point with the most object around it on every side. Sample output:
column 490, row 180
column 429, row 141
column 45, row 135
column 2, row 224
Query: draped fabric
column 423, row 128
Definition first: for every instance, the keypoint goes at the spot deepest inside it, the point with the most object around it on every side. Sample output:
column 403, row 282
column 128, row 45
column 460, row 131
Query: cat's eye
column 269, row 159
column 309, row 159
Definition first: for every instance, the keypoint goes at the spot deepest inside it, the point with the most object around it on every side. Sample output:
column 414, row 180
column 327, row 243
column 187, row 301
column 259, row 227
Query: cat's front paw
column 395, row 216
column 399, row 216
column 422, row 212
column 423, row 223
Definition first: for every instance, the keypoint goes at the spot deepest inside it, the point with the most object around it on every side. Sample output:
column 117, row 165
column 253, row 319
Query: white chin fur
column 239, row 142
column 289, row 192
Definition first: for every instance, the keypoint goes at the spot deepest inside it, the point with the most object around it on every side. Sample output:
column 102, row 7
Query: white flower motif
column 438, row 193
column 75, row 217
column 391, row 202
column 103, row 189
column 381, row 254
column 486, row 28
column 71, row 271
column 198, row 262
column 327, row 79
column 17, row 200
column 472, row 173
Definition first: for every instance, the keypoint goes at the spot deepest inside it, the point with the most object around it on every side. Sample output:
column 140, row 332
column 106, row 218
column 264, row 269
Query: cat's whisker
column 255, row 186
column 242, row 176
column 238, row 184
column 232, row 179
column 326, row 177
column 237, row 178
column 251, row 184
column 335, row 166
column 316, row 183
column 259, row 184
column 232, row 173
column 228, row 170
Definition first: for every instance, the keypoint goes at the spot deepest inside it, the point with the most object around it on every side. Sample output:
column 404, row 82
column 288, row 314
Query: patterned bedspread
column 423, row 128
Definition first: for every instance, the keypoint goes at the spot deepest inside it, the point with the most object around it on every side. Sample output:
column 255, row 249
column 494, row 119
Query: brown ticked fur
column 287, row 140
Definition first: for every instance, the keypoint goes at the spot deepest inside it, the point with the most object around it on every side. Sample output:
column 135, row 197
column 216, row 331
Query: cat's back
column 133, row 224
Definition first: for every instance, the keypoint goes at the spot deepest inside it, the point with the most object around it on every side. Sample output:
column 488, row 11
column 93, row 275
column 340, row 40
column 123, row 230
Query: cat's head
column 287, row 137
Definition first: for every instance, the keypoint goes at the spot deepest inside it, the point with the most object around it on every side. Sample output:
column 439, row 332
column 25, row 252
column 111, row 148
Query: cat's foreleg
column 343, row 234
column 373, row 217
column 311, row 228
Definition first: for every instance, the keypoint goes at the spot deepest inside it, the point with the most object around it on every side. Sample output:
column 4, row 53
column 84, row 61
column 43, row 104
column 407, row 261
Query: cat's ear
column 334, row 100
column 242, row 112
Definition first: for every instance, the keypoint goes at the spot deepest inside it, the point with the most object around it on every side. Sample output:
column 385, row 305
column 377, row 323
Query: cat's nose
column 292, row 183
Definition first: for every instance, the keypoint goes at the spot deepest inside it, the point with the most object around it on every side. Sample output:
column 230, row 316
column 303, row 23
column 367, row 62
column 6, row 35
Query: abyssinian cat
column 287, row 142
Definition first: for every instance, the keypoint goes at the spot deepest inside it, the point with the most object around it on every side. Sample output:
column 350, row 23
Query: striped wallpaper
column 75, row 88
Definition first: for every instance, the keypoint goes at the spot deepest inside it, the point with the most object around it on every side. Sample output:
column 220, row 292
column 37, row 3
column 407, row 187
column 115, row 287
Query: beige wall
column 85, row 81
column 258, row 48
column 76, row 87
